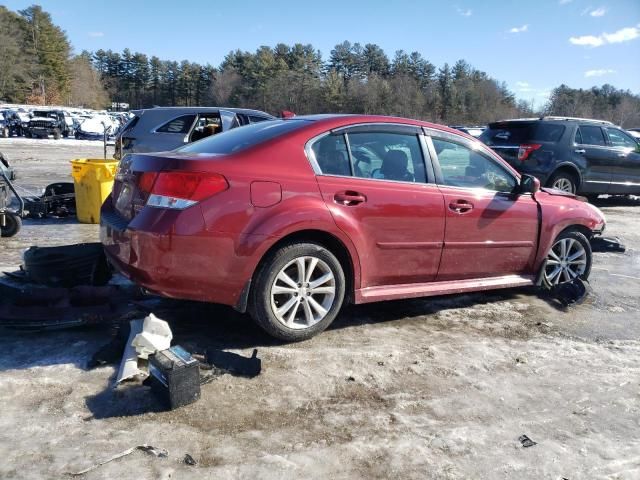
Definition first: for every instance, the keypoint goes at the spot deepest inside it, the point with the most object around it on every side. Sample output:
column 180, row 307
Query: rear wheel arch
column 325, row 239
column 566, row 168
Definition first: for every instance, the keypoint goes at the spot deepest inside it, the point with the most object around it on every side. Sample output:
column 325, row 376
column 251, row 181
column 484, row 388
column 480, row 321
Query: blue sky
column 533, row 46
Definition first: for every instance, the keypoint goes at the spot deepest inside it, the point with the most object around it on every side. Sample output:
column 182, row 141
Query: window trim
column 447, row 137
column 381, row 127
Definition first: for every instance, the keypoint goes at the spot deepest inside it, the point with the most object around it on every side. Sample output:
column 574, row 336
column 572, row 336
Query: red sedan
column 290, row 219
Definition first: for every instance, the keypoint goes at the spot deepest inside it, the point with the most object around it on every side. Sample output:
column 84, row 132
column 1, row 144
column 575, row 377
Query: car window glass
column 331, row 155
column 206, row 125
column 255, row 119
column 618, row 138
column 591, row 135
column 463, row 167
column 387, row 156
column 178, row 125
column 578, row 139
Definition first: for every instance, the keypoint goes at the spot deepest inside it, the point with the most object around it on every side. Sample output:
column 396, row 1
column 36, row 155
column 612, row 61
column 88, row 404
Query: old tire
column 297, row 291
column 565, row 181
column 570, row 256
column 56, row 134
column 12, row 226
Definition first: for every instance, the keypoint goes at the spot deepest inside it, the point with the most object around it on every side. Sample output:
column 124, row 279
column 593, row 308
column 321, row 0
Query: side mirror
column 528, row 184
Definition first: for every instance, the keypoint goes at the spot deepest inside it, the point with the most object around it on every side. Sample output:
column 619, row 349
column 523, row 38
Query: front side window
column 463, row 167
column 590, row 135
column 178, row 125
column 618, row 138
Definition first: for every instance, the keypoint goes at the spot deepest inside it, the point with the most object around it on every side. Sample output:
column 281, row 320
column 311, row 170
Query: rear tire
column 570, row 256
column 13, row 223
column 564, row 181
column 297, row 291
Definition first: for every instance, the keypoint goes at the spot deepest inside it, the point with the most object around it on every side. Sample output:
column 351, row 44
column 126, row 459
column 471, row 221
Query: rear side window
column 331, row 155
column 255, row 119
column 244, row 137
column 590, row 135
column 517, row 133
column 178, row 125
column 387, row 156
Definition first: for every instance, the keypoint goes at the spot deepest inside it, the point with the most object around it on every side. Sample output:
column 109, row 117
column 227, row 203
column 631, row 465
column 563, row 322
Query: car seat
column 395, row 166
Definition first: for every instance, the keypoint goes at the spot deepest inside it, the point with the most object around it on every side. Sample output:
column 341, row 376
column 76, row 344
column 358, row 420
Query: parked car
column 475, row 131
column 290, row 219
column 576, row 155
column 95, row 127
column 43, row 123
column 166, row 128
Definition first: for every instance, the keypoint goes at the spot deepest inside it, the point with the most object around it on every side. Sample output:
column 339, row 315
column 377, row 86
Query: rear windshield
column 517, row 133
column 243, row 137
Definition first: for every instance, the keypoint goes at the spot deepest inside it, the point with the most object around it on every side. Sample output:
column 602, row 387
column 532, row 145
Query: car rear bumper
column 191, row 265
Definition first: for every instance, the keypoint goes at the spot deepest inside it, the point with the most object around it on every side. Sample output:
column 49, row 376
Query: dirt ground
column 428, row 388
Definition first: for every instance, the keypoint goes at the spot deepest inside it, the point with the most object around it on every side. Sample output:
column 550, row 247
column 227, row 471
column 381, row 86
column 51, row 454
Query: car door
column 373, row 180
column 625, row 162
column 489, row 230
column 592, row 152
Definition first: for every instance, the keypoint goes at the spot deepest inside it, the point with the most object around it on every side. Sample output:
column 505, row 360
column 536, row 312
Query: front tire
column 5, row 132
column 297, row 291
column 569, row 257
column 564, row 181
column 56, row 134
column 12, row 225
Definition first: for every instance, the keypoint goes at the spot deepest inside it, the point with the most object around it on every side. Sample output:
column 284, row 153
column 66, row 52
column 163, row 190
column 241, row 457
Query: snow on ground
column 425, row 388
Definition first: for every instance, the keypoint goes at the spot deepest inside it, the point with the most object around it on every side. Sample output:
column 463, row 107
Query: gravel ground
column 427, row 388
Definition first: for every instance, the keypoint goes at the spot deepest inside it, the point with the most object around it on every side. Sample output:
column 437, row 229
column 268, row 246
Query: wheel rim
column 567, row 260
column 303, row 292
column 563, row 184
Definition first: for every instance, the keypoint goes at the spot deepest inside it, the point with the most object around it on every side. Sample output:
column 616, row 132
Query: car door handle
column 349, row 198
column 460, row 206
column 581, row 151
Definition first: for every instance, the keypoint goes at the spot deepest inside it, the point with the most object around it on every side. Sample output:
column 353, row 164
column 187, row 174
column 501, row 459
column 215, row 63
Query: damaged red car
column 291, row 219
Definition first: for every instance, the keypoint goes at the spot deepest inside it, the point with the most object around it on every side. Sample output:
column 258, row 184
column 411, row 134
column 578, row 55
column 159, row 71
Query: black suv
column 49, row 122
column 577, row 155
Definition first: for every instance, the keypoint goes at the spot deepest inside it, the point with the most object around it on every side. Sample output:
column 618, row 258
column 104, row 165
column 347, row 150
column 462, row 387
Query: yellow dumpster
column 93, row 180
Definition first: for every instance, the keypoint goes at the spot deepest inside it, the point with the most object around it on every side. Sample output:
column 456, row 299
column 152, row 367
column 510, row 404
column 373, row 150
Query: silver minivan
column 166, row 128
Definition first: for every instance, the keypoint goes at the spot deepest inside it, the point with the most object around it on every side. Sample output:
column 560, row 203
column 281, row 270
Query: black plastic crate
column 174, row 376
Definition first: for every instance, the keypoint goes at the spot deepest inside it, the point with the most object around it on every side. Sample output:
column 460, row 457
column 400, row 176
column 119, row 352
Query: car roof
column 555, row 119
column 247, row 111
column 336, row 120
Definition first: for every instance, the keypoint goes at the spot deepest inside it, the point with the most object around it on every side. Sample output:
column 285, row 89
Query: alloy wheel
column 566, row 260
column 303, row 292
column 563, row 184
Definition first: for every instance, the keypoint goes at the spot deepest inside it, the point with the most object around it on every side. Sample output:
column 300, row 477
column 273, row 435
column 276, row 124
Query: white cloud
column 598, row 73
column 622, row 35
column 564, row 2
column 522, row 84
column 465, row 13
column 96, row 34
column 521, row 29
column 598, row 12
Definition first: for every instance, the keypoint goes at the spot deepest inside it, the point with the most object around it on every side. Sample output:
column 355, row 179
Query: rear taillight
column 180, row 190
column 525, row 150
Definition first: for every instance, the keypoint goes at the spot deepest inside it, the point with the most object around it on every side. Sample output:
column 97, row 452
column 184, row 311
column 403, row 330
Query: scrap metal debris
column 149, row 449
column 189, row 460
column 526, row 441
column 607, row 244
